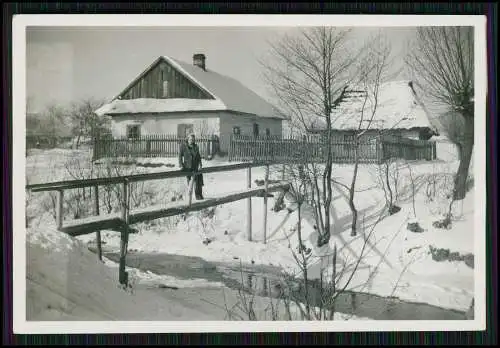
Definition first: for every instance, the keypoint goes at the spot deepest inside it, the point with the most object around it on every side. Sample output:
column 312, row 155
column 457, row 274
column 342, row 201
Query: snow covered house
column 398, row 112
column 174, row 97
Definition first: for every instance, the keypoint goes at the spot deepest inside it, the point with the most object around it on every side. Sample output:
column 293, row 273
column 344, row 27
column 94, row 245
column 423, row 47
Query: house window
column 165, row 89
column 133, row 131
column 183, row 129
column 236, row 130
column 255, row 130
column 268, row 132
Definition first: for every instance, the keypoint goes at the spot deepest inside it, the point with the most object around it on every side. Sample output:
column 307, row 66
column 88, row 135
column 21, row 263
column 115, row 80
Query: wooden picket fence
column 270, row 149
column 409, row 149
column 153, row 145
column 311, row 150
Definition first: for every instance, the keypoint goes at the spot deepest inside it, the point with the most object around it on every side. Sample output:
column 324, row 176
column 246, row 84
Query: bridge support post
column 249, row 205
column 266, row 184
column 123, row 275
column 97, row 212
column 59, row 209
column 190, row 190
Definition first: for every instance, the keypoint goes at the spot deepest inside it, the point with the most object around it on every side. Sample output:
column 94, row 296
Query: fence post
column 98, row 233
column 434, row 151
column 266, row 182
column 380, row 150
column 123, row 276
column 59, row 209
column 210, row 144
column 216, row 145
column 148, row 146
column 249, row 205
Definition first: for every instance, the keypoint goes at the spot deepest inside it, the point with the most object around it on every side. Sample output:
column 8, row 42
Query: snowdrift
column 65, row 281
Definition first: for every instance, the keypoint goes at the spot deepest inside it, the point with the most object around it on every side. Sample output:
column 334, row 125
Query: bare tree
column 85, row 123
column 307, row 73
column 455, row 129
column 373, row 70
column 204, row 128
column 442, row 60
column 50, row 124
column 388, row 170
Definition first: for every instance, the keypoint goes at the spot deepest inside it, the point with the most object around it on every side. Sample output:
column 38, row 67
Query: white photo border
column 19, row 26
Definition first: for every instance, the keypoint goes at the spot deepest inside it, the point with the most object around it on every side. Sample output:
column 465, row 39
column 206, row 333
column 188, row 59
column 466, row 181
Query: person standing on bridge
column 190, row 161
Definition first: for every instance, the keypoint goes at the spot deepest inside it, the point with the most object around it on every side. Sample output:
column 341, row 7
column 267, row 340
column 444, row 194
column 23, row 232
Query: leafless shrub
column 109, row 194
column 389, row 180
column 203, row 222
column 50, row 204
column 413, row 193
column 79, row 169
column 301, row 297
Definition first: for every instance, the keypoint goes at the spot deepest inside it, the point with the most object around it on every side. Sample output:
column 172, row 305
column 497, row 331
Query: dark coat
column 189, row 157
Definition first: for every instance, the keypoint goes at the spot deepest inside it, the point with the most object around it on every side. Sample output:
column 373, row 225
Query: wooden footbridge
column 122, row 221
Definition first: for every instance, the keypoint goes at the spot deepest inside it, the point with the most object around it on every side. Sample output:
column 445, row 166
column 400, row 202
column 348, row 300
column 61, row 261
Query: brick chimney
column 199, row 60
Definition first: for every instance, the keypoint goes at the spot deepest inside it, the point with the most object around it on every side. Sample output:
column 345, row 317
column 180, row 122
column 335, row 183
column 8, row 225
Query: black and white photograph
column 317, row 174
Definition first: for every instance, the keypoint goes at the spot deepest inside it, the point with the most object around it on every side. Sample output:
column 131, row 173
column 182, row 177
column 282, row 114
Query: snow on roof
column 397, row 108
column 151, row 105
column 229, row 94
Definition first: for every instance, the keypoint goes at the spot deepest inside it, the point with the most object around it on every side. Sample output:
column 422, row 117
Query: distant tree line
column 58, row 124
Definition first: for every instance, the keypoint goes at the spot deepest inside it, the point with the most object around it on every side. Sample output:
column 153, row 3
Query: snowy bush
column 79, row 203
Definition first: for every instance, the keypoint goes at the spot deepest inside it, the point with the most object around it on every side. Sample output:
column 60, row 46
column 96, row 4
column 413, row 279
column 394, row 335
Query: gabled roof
column 398, row 107
column 229, row 95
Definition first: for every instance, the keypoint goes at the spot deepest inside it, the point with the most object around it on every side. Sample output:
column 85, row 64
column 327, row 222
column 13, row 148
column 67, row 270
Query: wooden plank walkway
column 114, row 221
column 79, row 227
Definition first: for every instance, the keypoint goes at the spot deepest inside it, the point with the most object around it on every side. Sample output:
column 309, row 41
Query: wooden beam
column 116, row 222
column 123, row 276
column 249, row 205
column 91, row 224
column 98, row 232
column 157, row 212
column 59, row 209
column 73, row 184
column 190, row 190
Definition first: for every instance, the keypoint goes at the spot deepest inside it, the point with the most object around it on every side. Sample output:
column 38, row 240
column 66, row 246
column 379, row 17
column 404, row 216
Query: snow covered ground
column 65, row 281
column 394, row 261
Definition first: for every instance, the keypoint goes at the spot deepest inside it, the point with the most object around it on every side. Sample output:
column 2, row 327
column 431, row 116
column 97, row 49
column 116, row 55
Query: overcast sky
column 68, row 64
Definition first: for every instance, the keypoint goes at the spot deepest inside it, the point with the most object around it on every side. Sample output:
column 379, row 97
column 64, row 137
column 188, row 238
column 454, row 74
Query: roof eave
column 372, row 128
column 114, row 114
column 161, row 112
